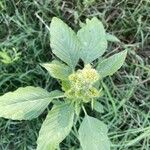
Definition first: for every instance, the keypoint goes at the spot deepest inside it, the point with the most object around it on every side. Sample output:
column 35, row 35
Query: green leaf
column 56, row 127
column 25, row 103
column 93, row 40
column 93, row 134
column 65, row 85
column 110, row 65
column 98, row 107
column 5, row 58
column 64, row 42
column 112, row 38
column 57, row 70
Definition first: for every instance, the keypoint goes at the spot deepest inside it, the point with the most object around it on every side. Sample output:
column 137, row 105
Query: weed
column 29, row 102
column 126, row 94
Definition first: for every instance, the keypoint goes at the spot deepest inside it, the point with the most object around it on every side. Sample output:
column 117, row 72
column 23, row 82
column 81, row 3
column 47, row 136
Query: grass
column 126, row 97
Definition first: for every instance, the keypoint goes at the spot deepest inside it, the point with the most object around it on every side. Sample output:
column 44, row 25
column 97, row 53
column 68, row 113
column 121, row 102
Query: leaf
column 56, row 127
column 93, row 134
column 98, row 107
column 112, row 38
column 25, row 103
column 5, row 58
column 64, row 42
column 65, row 85
column 57, row 70
column 110, row 65
column 93, row 40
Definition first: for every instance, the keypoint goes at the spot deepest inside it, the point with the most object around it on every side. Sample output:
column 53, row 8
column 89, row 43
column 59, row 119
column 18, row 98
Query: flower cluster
column 82, row 84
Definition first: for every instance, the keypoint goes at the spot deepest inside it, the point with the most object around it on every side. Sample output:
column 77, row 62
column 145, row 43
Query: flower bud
column 82, row 84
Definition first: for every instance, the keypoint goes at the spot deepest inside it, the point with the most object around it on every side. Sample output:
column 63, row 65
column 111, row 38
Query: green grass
column 126, row 97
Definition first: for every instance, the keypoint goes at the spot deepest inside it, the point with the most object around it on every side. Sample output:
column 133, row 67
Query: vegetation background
column 24, row 43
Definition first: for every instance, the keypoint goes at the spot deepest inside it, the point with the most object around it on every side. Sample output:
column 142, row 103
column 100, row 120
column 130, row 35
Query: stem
column 92, row 104
column 36, row 14
column 59, row 97
column 84, row 110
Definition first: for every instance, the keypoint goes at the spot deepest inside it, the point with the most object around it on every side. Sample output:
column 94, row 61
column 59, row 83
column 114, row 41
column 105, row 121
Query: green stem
column 84, row 110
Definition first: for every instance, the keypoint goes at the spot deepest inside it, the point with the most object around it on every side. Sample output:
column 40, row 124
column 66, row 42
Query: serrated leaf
column 25, row 103
column 93, row 40
column 112, row 38
column 93, row 134
column 110, row 65
column 98, row 107
column 56, row 127
column 64, row 42
column 57, row 70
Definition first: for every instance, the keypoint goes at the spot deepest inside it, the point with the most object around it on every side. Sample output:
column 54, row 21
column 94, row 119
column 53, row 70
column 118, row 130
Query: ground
column 24, row 28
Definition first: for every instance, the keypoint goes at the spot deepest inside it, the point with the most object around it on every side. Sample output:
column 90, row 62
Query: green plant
column 80, row 85
column 9, row 56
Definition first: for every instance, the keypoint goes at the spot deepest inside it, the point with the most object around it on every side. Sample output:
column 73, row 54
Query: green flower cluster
column 82, row 84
